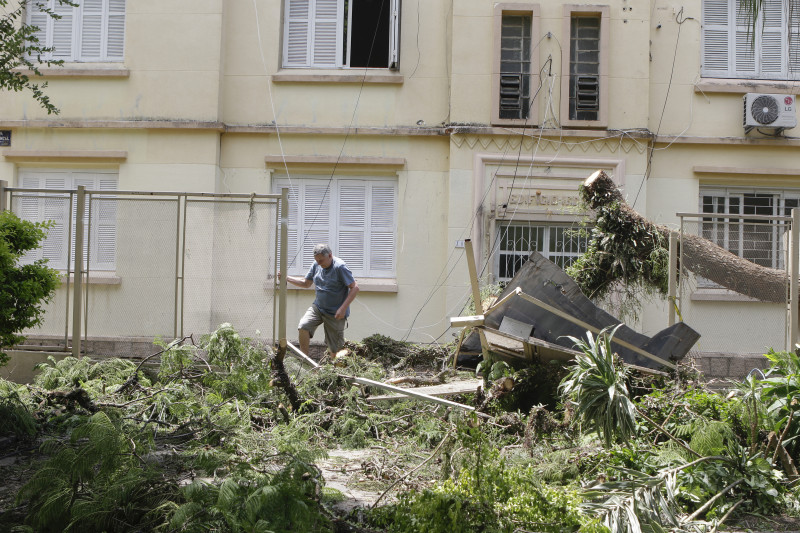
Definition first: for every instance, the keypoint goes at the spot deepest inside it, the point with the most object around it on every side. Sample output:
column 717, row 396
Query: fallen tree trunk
column 627, row 247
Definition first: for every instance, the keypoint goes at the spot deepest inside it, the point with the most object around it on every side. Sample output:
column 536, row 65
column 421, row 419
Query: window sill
column 364, row 285
column 742, row 86
column 96, row 278
column 719, row 295
column 374, row 76
column 80, row 70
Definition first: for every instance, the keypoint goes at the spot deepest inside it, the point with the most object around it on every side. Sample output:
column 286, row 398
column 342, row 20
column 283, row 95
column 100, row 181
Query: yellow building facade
column 404, row 127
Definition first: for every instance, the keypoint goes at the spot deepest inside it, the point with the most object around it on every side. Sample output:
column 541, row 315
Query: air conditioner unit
column 773, row 111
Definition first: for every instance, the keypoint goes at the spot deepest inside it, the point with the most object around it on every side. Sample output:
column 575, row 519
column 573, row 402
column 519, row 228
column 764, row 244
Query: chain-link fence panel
column 230, row 266
column 53, row 207
column 131, row 251
column 736, row 297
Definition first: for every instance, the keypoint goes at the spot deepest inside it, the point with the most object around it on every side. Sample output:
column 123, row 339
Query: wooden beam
column 300, row 355
column 412, row 393
column 461, row 321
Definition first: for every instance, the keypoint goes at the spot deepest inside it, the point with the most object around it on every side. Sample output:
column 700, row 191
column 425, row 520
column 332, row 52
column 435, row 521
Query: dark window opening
column 515, row 66
column 584, row 68
column 369, row 35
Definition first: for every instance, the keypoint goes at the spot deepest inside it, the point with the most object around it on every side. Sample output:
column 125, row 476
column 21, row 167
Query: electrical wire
column 680, row 19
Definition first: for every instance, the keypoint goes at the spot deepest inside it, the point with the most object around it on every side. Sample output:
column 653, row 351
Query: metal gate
column 146, row 264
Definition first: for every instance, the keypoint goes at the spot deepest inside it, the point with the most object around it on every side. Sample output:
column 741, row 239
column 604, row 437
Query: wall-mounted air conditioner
column 775, row 112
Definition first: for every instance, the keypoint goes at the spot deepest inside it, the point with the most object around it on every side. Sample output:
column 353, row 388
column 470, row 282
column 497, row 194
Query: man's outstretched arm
column 299, row 282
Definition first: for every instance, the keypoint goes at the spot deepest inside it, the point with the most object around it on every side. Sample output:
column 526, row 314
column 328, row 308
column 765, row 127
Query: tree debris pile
column 208, row 440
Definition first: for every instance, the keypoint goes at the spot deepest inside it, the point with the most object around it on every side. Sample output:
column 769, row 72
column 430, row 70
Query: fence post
column 77, row 293
column 672, row 286
column 3, row 200
column 794, row 273
column 283, row 266
column 476, row 296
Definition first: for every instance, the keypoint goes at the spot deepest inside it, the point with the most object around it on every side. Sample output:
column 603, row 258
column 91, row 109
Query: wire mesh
column 229, row 266
column 157, row 264
column 132, row 265
column 736, row 312
column 54, row 207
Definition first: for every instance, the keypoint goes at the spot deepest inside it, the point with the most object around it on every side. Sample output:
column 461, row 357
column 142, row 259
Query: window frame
column 71, row 177
column 789, row 62
column 77, row 35
column 339, row 63
column 511, row 8
column 548, row 227
column 603, row 13
column 777, row 252
column 300, row 261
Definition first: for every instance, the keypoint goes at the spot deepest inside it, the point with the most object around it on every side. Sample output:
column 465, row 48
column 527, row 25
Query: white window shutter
column 89, row 183
column 745, row 54
column 297, row 29
column 316, row 221
column 39, row 19
column 794, row 42
column 28, row 208
column 352, row 221
column 715, row 44
column 773, row 39
column 115, row 31
column 394, row 35
column 295, row 207
column 91, row 29
column 104, row 225
column 55, row 209
column 327, row 30
column 63, row 33
column 382, row 224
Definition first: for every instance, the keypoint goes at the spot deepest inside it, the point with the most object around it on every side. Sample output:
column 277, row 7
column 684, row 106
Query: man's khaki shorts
column 334, row 328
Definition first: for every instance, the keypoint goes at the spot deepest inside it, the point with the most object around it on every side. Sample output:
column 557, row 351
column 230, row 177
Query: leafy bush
column 285, row 502
column 489, row 496
column 23, row 288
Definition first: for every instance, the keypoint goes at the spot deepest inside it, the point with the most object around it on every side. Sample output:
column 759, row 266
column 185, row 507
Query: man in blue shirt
column 335, row 291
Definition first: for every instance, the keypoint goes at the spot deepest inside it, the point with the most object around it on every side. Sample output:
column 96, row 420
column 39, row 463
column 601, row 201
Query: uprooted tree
column 628, row 250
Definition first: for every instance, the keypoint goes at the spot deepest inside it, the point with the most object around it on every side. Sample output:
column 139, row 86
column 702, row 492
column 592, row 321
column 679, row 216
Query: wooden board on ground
column 445, row 389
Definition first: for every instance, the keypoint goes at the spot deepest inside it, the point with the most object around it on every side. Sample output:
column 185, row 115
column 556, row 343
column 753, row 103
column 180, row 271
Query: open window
column 584, row 85
column 516, row 65
column 341, row 34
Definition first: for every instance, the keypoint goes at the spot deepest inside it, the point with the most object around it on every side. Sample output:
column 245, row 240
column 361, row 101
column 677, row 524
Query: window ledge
column 364, row 285
column 719, row 295
column 79, row 70
column 96, row 278
column 742, row 86
column 376, row 76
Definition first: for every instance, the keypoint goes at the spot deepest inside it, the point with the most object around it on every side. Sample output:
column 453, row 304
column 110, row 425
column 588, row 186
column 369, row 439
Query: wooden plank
column 445, row 389
column 412, row 393
column 461, row 321
column 300, row 355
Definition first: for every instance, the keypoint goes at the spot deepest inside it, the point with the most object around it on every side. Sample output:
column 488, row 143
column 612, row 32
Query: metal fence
column 155, row 264
column 757, row 316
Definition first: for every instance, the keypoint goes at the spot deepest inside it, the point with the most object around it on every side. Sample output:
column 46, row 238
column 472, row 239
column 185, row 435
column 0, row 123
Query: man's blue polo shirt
column 331, row 284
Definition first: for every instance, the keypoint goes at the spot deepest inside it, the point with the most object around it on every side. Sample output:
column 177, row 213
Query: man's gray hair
column 322, row 249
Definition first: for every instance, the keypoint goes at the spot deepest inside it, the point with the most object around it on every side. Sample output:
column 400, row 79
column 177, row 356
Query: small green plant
column 596, row 386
